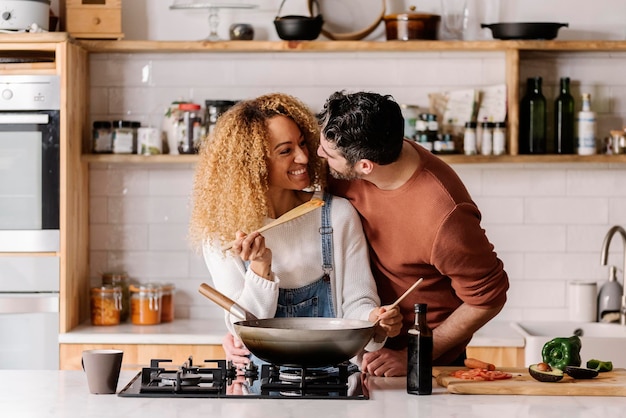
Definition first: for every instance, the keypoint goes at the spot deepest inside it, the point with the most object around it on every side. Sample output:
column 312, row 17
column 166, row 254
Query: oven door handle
column 24, row 118
column 19, row 303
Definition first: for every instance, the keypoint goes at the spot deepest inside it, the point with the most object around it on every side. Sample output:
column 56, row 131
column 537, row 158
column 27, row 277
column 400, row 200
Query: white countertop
column 199, row 332
column 51, row 394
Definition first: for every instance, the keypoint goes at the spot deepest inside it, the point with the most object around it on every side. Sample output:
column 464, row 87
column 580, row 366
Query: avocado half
column 544, row 373
column 580, row 372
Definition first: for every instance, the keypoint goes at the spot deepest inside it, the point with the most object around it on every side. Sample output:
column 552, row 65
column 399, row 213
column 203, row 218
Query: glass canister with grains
column 145, row 303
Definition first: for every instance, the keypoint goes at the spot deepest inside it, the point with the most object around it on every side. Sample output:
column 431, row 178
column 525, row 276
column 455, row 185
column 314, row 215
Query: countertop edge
column 211, row 332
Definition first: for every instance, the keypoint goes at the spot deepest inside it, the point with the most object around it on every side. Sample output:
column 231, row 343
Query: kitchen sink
column 602, row 341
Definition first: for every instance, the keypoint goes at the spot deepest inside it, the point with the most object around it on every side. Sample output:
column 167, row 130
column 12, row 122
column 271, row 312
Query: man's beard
column 349, row 174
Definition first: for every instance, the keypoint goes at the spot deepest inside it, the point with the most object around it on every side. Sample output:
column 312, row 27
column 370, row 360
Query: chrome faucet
column 603, row 260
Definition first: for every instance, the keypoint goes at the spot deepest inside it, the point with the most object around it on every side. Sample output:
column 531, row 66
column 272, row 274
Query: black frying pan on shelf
column 525, row 30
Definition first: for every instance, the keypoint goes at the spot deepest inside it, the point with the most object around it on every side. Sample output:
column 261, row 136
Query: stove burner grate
column 219, row 379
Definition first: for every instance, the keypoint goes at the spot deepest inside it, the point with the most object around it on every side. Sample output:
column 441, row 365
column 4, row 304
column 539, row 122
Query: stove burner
column 219, row 379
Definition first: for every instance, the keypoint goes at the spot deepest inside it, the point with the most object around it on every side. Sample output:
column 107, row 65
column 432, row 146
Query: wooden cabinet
column 500, row 356
column 58, row 54
column 139, row 355
column 94, row 19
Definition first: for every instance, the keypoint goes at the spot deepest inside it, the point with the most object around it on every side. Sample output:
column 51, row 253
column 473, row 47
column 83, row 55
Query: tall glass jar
column 167, row 303
column 121, row 280
column 145, row 304
column 106, row 305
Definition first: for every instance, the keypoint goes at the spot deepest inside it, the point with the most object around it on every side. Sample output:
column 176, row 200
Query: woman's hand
column 235, row 351
column 390, row 320
column 251, row 247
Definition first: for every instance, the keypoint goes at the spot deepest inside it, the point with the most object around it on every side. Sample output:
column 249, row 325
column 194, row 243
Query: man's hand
column 390, row 320
column 385, row 362
column 235, row 351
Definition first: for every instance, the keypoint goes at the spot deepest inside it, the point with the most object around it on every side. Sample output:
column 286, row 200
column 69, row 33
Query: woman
column 259, row 163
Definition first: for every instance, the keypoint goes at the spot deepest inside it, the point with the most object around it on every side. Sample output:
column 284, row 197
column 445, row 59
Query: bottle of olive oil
column 532, row 120
column 419, row 377
column 564, row 120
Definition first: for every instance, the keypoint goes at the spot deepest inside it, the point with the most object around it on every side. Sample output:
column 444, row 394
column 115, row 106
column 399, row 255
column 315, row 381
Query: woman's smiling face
column 288, row 155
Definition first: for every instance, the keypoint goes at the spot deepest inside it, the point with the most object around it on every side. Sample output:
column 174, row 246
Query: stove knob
column 7, row 94
column 6, row 15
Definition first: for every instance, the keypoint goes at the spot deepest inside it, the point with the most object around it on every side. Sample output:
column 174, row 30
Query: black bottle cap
column 421, row 307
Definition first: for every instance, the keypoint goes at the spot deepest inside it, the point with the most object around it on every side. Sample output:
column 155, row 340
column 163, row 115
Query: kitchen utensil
column 524, row 30
column 22, row 15
column 303, row 342
column 349, row 36
column 298, row 28
column 226, row 302
column 405, row 294
column 411, row 26
column 611, row 383
column 292, row 214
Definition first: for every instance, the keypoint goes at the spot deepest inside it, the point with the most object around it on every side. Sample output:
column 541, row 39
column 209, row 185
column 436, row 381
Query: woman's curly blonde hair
column 231, row 177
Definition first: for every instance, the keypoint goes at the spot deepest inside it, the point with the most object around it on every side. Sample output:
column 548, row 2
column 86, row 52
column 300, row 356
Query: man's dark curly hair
column 363, row 125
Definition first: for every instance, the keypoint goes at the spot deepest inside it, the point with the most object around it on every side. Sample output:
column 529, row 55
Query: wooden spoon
column 405, row 294
column 288, row 216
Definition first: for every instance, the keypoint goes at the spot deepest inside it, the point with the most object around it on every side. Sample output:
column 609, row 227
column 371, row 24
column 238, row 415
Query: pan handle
column 226, row 302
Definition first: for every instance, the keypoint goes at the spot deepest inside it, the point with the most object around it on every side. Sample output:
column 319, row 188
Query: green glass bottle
column 532, row 120
column 564, row 118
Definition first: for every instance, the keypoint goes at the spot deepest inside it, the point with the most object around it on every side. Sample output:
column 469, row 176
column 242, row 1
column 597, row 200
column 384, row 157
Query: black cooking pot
column 524, row 30
column 298, row 28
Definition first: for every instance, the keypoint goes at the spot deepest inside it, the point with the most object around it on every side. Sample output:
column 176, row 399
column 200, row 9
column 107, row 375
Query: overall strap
column 326, row 231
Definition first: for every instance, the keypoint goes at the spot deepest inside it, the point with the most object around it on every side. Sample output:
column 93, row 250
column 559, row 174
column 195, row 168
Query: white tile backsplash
column 546, row 221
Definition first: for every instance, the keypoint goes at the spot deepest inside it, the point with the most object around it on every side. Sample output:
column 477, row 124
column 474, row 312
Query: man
column 419, row 221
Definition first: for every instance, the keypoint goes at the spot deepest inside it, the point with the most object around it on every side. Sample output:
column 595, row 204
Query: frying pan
column 302, row 342
column 524, row 30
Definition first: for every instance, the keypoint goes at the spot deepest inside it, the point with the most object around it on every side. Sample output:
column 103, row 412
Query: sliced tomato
column 481, row 374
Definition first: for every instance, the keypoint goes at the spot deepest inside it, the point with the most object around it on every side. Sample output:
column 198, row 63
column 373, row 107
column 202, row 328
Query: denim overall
column 315, row 299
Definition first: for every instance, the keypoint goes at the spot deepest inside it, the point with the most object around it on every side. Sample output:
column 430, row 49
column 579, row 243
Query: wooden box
column 94, row 19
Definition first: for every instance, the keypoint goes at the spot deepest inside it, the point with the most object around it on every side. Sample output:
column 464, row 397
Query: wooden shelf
column 450, row 158
column 102, row 46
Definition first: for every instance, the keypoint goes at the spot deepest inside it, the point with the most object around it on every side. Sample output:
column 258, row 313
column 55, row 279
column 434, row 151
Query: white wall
column 153, row 19
column 547, row 221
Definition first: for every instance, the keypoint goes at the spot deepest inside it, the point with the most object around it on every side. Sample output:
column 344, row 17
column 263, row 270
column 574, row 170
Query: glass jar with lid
column 145, row 303
column 167, row 302
column 106, row 305
column 121, row 280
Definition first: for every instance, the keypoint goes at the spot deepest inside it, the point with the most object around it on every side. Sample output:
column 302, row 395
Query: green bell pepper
column 599, row 365
column 562, row 352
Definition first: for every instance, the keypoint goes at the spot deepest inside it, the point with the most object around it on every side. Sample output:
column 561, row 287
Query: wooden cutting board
column 611, row 383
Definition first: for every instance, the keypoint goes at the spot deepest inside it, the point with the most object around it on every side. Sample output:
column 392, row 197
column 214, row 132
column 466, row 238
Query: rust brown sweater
column 429, row 228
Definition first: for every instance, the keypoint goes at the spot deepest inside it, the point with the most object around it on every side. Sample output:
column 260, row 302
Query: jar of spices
column 167, row 303
column 213, row 110
column 120, row 280
column 145, row 304
column 410, row 115
column 499, row 138
column 486, row 138
column 102, row 141
column 190, row 128
column 469, row 139
column 123, row 137
column 106, row 305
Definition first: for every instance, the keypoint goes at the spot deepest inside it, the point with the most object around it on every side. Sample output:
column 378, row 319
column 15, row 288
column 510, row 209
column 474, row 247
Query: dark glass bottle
column 564, row 120
column 532, row 120
column 419, row 377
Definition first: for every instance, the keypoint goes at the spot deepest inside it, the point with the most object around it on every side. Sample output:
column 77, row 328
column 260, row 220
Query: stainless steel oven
column 29, row 163
column 29, row 221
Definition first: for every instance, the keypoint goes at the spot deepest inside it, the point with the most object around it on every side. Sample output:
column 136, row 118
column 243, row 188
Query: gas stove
column 220, row 379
